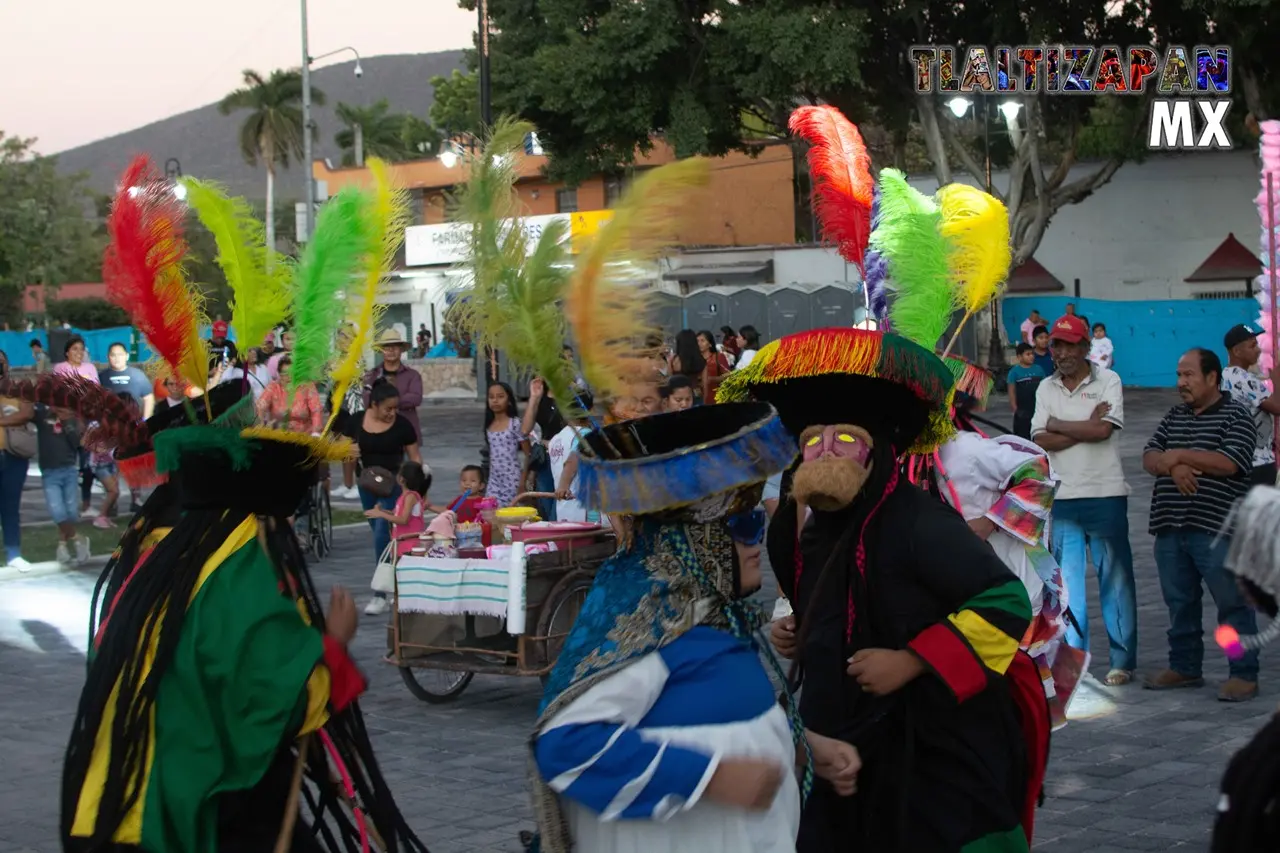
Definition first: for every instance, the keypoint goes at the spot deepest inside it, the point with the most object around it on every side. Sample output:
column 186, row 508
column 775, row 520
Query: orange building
column 750, row 200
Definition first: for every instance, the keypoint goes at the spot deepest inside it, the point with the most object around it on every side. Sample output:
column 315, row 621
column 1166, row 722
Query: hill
column 206, row 142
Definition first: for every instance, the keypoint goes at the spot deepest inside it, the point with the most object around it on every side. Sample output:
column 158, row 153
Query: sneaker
column 20, row 564
column 1237, row 690
column 88, row 512
column 339, row 491
column 82, row 549
column 352, row 494
column 62, row 555
column 103, row 523
column 1169, row 679
column 377, row 606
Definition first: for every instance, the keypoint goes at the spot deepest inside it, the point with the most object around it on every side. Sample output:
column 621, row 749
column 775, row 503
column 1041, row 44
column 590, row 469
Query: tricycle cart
column 447, row 613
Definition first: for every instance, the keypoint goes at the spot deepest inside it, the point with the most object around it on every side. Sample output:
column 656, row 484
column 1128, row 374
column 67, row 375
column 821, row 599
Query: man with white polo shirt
column 1079, row 412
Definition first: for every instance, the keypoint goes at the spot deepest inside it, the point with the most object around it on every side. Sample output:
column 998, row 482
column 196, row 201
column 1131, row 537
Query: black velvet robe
column 939, row 771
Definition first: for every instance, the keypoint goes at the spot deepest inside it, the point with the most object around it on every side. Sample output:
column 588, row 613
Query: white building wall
column 1143, row 233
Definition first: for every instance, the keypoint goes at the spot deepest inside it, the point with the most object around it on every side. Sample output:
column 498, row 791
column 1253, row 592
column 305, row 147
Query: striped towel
column 433, row 585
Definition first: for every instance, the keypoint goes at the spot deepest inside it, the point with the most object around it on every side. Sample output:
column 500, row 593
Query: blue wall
column 17, row 345
column 1150, row 335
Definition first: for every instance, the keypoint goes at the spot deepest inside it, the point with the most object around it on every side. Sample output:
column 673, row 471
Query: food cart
column 507, row 613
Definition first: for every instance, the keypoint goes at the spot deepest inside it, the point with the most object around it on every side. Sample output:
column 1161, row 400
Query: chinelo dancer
column 1248, row 819
column 908, row 626
column 220, row 697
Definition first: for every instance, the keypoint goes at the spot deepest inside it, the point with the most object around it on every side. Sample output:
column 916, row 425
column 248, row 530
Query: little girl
column 406, row 519
column 506, row 443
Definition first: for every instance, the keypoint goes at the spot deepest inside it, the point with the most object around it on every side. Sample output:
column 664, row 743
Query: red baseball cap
column 1069, row 328
column 220, row 329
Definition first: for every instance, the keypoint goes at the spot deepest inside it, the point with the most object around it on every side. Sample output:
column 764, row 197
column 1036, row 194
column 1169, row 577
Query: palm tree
column 374, row 131
column 272, row 132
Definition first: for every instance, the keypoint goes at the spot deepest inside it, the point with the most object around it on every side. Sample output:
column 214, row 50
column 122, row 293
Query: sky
column 73, row 71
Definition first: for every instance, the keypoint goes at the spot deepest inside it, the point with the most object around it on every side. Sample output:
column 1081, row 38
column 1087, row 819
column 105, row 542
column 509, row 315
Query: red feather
column 840, row 171
column 119, row 423
column 142, row 265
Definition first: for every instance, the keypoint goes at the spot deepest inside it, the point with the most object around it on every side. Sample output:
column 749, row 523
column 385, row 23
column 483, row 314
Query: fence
column 1149, row 335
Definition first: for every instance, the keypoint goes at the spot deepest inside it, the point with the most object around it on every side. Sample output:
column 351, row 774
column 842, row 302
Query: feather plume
column 909, row 239
column 259, row 278
column 119, row 423
column 388, row 215
column 330, row 265
column 606, row 312
column 840, row 172
column 517, row 293
column 143, row 270
column 876, row 270
column 975, row 226
column 496, row 251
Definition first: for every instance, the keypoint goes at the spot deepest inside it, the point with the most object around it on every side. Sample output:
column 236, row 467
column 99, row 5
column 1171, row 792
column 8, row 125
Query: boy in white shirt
column 1101, row 350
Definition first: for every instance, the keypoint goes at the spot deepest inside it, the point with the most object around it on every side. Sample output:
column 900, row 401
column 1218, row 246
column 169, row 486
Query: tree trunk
column 933, row 140
column 271, row 208
column 358, row 132
column 1252, row 94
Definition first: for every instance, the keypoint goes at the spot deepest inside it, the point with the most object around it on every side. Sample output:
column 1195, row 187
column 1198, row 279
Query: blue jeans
column 62, row 493
column 1185, row 558
column 380, row 526
column 546, row 483
column 1101, row 525
column 13, row 476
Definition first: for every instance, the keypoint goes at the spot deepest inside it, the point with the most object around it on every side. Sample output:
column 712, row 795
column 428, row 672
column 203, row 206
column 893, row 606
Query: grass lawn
column 40, row 542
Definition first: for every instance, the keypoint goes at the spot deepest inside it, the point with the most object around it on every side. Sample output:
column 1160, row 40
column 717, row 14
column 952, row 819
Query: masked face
column 835, row 467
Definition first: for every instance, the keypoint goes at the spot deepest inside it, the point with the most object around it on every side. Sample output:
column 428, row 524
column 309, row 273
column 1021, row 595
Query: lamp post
column 1009, row 109
column 309, row 196
column 486, row 106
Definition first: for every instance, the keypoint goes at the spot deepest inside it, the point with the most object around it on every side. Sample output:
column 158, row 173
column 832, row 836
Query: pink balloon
column 1270, row 126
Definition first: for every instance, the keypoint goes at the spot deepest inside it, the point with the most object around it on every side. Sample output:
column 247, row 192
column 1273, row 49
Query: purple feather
column 873, row 281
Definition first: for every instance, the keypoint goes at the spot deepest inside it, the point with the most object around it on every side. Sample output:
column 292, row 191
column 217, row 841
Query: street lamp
column 309, row 214
column 486, row 105
column 1010, row 110
column 959, row 106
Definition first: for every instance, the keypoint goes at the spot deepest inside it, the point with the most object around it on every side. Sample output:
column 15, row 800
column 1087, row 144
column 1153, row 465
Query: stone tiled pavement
column 1135, row 771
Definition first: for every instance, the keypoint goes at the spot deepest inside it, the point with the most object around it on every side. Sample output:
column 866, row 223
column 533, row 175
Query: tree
column 89, row 312
column 455, row 107
column 47, row 235
column 1250, row 27
column 272, row 132
column 374, row 131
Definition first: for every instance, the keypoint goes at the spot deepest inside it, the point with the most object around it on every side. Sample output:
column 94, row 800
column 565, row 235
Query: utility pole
column 309, row 196
column 486, row 106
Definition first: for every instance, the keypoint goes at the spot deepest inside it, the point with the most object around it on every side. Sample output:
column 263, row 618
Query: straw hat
column 390, row 338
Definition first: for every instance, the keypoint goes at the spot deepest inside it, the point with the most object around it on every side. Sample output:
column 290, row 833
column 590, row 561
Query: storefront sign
column 433, row 245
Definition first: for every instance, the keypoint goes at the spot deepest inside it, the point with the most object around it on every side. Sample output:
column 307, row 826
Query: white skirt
column 708, row 827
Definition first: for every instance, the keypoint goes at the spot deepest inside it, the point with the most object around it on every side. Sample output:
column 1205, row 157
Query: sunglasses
column 747, row 528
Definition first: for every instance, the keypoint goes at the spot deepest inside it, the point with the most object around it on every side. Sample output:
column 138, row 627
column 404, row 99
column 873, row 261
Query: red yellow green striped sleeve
column 978, row 641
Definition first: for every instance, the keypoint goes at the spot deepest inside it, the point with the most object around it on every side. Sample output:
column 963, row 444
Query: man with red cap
column 1079, row 413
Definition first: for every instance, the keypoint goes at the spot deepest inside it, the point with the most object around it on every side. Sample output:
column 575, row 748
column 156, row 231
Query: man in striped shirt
column 1201, row 456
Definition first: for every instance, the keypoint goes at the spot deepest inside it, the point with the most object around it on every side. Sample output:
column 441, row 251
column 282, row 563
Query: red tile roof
column 1032, row 277
column 1231, row 261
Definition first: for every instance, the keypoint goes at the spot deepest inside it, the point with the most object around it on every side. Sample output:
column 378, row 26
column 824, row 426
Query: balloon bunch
column 1269, row 211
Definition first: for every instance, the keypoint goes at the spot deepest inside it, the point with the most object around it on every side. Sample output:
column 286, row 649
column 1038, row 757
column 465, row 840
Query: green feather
column 333, row 262
column 515, row 301
column 907, row 237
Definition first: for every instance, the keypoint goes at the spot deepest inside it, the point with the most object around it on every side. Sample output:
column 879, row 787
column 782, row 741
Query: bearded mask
column 835, row 467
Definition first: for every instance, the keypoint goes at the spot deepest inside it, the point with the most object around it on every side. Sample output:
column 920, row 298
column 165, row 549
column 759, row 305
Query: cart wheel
column 561, row 611
column 324, row 524
column 436, row 686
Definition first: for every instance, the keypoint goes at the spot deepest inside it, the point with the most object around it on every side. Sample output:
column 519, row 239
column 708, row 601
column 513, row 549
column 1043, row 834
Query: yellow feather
column 607, row 312
column 389, row 214
column 976, row 228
